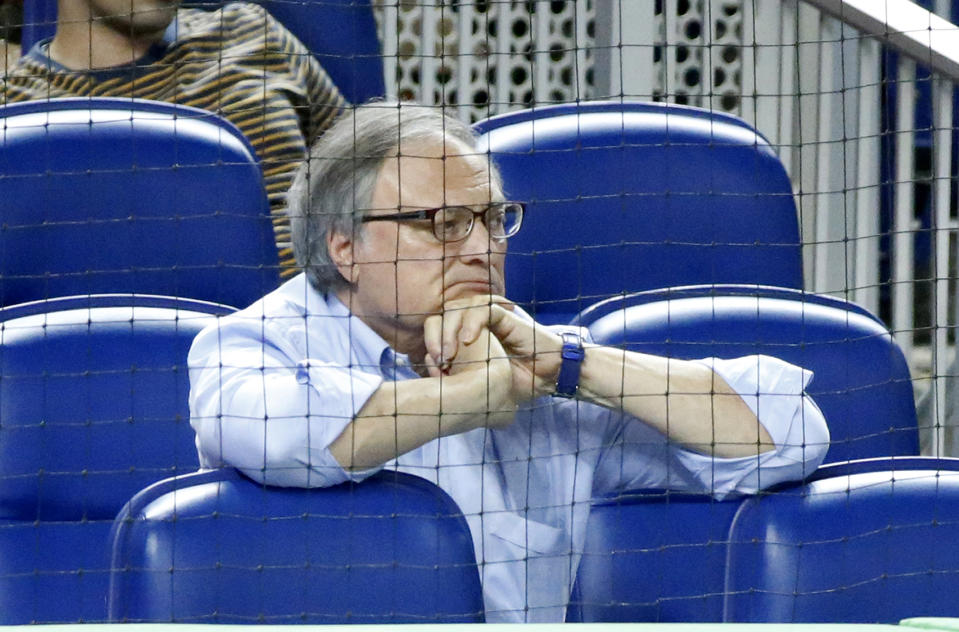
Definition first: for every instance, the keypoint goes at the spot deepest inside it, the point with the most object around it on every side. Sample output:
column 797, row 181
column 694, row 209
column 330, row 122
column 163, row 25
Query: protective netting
column 747, row 188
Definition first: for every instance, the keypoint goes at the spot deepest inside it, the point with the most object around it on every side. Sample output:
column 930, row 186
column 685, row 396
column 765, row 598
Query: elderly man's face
column 402, row 273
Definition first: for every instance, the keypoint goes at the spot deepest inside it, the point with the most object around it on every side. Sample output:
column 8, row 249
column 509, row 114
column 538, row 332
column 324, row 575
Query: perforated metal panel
column 489, row 56
column 699, row 53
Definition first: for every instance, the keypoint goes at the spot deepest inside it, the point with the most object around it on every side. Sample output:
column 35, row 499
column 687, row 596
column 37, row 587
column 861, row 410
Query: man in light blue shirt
column 396, row 348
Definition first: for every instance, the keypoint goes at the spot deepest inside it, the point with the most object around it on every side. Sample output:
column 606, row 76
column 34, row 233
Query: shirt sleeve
column 255, row 407
column 775, row 391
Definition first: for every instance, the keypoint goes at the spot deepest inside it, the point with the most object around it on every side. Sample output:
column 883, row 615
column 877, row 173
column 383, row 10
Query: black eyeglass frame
column 430, row 213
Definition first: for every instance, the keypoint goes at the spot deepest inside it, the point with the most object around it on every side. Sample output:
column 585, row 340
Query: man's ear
column 340, row 247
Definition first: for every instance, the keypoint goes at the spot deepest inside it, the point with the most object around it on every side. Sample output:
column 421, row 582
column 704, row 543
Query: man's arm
column 774, row 390
column 402, row 416
column 256, row 405
column 686, row 401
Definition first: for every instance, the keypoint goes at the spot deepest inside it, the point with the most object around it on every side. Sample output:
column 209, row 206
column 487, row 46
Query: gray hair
column 331, row 189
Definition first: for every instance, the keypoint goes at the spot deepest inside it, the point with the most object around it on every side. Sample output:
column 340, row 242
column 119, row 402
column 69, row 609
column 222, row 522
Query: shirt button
column 302, row 373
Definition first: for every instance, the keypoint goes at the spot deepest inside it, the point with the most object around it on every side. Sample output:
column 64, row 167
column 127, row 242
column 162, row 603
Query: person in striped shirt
column 237, row 62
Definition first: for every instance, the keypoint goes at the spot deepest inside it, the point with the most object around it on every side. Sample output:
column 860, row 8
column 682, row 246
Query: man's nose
column 478, row 242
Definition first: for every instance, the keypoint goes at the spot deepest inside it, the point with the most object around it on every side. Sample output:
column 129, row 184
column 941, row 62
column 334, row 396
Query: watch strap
column 572, row 355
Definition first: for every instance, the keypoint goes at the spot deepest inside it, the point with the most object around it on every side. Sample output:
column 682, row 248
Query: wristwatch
column 572, row 353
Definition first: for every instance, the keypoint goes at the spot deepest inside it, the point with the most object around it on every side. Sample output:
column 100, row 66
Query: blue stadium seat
column 215, row 547
column 871, row 546
column 93, row 398
column 119, row 195
column 660, row 556
column 341, row 34
column 655, row 555
column 625, row 197
column 884, row 464
column 617, row 303
column 39, row 21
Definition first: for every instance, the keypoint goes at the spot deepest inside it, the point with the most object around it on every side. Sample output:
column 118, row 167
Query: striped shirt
column 238, row 62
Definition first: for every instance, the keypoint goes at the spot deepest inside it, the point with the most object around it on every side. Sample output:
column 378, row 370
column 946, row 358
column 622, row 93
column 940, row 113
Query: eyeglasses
column 455, row 223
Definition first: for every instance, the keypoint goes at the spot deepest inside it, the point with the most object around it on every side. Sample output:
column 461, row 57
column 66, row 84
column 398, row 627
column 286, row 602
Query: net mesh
column 752, row 182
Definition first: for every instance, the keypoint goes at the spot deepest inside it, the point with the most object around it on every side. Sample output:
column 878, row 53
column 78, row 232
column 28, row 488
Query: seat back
column 93, row 398
column 624, row 197
column 653, row 556
column 614, row 304
column 39, row 22
column 215, row 547
column 661, row 556
column 118, row 195
column 341, row 34
column 656, row 555
column 862, row 382
column 870, row 547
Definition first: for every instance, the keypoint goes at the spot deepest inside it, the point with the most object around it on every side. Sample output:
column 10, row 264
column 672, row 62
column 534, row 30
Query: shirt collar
column 367, row 347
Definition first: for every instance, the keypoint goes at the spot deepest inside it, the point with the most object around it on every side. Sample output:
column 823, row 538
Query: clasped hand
column 519, row 358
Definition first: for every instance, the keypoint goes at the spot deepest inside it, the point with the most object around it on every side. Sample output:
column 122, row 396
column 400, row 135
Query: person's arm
column 284, row 420
column 686, row 401
column 258, row 405
column 637, row 456
column 402, row 416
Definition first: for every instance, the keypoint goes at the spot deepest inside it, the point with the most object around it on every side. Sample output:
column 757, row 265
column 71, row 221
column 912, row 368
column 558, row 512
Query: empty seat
column 873, row 546
column 602, row 308
column 342, row 36
column 215, row 547
column 39, row 21
column 625, row 197
column 660, row 556
column 656, row 555
column 653, row 556
column 117, row 195
column 93, row 398
column 884, row 464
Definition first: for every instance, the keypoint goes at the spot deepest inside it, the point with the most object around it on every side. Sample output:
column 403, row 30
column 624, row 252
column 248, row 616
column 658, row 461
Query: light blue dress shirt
column 274, row 384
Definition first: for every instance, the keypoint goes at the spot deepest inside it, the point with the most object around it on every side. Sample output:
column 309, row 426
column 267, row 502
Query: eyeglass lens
column 456, row 222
